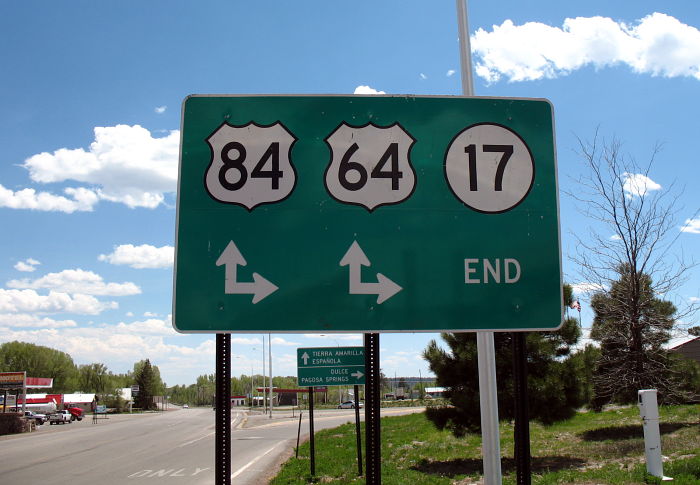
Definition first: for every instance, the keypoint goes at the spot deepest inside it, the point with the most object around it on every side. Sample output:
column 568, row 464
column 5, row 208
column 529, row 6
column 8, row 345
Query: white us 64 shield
column 370, row 165
column 250, row 164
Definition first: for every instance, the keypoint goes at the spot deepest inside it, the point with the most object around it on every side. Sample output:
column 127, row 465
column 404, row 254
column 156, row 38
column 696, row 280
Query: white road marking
column 244, row 468
column 233, row 424
column 198, row 439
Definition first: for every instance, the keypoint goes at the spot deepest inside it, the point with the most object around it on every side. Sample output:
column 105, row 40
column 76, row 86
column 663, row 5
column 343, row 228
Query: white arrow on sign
column 260, row 288
column 384, row 288
column 305, row 357
column 357, row 374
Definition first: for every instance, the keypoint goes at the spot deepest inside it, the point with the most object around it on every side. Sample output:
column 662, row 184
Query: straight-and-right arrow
column 355, row 258
column 231, row 258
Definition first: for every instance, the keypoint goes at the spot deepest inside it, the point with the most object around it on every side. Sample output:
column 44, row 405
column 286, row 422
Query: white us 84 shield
column 370, row 165
column 250, row 164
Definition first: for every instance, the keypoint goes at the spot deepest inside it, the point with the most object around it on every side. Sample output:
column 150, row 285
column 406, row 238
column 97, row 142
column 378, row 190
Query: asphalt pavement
column 175, row 446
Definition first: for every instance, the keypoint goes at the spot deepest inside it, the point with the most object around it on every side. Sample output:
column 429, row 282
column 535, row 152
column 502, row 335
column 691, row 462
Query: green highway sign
column 331, row 366
column 366, row 213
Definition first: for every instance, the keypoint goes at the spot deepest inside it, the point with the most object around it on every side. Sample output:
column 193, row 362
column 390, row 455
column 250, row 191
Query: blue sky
column 89, row 132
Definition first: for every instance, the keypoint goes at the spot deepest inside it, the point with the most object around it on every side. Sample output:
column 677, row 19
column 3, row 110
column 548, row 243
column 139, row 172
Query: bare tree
column 627, row 262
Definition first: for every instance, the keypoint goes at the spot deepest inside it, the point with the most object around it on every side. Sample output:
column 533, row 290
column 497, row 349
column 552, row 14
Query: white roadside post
column 649, row 410
column 488, row 396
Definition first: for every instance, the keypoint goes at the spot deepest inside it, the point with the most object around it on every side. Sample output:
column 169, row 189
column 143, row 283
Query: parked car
column 185, row 406
column 349, row 405
column 60, row 417
column 39, row 418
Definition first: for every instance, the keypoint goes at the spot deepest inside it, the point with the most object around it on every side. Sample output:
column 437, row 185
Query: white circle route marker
column 489, row 168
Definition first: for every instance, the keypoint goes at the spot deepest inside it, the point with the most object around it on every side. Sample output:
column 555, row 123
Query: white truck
column 60, row 417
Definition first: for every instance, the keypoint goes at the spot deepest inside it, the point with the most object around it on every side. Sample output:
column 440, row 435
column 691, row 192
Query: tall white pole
column 488, row 395
column 269, row 354
column 264, row 393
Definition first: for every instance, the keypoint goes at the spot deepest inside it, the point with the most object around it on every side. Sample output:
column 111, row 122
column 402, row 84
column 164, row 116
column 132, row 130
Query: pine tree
column 145, row 379
column 632, row 324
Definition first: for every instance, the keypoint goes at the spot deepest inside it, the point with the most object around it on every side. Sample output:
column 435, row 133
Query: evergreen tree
column 584, row 362
column 149, row 384
column 632, row 325
column 554, row 388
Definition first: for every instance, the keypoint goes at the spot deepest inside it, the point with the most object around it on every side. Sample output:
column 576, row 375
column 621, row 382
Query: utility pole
column 488, row 397
column 263, row 375
column 269, row 353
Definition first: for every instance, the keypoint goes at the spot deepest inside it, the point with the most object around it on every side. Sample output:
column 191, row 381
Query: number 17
column 507, row 152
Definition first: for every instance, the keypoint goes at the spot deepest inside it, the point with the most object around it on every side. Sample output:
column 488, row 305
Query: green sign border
column 313, row 296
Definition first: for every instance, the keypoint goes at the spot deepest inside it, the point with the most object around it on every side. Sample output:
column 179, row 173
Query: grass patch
column 589, row 449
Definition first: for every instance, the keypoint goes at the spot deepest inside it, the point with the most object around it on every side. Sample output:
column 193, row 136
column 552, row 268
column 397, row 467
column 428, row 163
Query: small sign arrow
column 260, row 288
column 355, row 258
column 305, row 357
column 357, row 375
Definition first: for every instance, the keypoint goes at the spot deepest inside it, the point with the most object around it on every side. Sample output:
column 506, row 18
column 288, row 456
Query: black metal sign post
column 372, row 418
column 522, row 415
column 296, row 455
column 357, row 430
column 223, row 410
column 312, row 450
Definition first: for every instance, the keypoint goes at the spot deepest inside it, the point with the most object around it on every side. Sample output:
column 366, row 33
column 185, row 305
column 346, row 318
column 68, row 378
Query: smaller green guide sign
column 331, row 366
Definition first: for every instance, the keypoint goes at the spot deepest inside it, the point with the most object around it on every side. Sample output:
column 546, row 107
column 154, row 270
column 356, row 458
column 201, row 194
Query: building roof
column 684, row 342
column 78, row 398
column 431, row 390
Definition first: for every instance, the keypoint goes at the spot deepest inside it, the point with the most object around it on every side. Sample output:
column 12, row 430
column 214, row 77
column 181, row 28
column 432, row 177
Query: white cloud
column 79, row 199
column 246, row 341
column 77, row 281
column 24, row 320
column 281, row 341
column 615, row 237
column 450, row 72
column 160, row 109
column 658, row 44
column 120, row 345
column 126, row 163
column 152, row 326
column 149, row 314
column 692, row 226
column 143, row 256
column 21, row 301
column 367, row 90
column 636, row 184
column 694, row 299
column 402, row 360
column 27, row 266
column 129, row 314
column 124, row 344
column 586, row 287
column 423, row 76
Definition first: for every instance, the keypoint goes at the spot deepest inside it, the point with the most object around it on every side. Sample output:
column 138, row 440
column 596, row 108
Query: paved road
column 171, row 447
